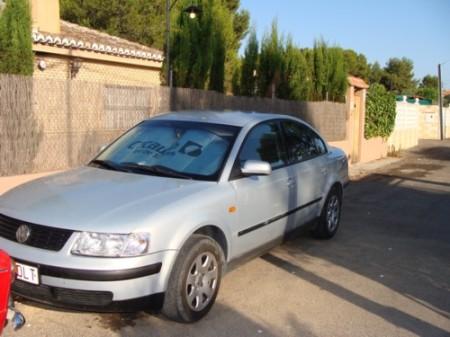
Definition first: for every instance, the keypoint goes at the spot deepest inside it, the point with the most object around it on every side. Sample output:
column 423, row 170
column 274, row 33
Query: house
column 65, row 50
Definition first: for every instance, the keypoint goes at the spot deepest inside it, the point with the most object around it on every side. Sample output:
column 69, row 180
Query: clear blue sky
column 380, row 29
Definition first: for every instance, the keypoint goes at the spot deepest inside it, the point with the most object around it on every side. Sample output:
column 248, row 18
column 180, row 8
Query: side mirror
column 256, row 168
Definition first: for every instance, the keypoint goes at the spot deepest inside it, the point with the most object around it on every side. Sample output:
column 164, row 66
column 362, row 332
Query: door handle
column 324, row 170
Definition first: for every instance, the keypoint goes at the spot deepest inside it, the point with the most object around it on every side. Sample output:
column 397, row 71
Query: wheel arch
column 338, row 186
column 215, row 233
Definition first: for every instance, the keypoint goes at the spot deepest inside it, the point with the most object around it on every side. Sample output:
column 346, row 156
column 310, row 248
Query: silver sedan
column 157, row 216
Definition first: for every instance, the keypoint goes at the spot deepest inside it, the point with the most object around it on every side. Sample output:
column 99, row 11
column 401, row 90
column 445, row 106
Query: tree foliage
column 398, row 76
column 295, row 81
column 270, row 62
column 141, row 21
column 16, row 54
column 204, row 50
column 376, row 73
column 329, row 73
column 428, row 88
column 380, row 112
column 356, row 64
column 249, row 66
column 289, row 72
column 336, row 84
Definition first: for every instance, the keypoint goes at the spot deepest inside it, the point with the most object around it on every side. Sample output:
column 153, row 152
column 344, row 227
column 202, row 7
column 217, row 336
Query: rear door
column 262, row 201
column 308, row 165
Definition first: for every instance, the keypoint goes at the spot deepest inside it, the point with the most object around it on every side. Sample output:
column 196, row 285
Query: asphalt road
column 386, row 273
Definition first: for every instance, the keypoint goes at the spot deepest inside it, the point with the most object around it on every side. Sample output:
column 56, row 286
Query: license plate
column 27, row 273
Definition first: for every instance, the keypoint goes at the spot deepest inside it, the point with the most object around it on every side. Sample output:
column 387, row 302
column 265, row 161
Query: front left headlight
column 111, row 245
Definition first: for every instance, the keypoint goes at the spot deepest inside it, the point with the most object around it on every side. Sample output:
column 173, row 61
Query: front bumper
column 94, row 290
column 85, row 300
column 92, row 283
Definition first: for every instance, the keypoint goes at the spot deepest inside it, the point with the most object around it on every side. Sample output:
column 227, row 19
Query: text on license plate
column 27, row 273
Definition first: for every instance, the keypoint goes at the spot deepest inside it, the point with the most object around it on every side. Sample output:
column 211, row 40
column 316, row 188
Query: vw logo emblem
column 23, row 233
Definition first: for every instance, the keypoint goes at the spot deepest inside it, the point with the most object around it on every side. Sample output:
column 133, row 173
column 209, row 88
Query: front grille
column 62, row 296
column 44, row 237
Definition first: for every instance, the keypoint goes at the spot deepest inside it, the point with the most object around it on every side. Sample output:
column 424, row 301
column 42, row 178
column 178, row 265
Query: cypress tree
column 204, row 49
column 337, row 75
column 249, row 66
column 217, row 75
column 320, row 70
column 236, row 79
column 270, row 61
column 295, row 78
column 16, row 54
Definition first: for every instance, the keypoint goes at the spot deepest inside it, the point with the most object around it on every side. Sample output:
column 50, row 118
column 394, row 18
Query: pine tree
column 16, row 54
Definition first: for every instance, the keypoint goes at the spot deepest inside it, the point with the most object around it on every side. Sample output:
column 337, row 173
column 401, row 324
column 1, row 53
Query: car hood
column 94, row 199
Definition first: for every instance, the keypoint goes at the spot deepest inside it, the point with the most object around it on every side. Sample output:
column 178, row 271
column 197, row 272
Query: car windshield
column 179, row 149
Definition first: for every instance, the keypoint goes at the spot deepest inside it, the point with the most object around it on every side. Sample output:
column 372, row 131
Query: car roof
column 235, row 118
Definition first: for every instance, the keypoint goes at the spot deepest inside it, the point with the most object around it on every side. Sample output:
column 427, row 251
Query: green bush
column 16, row 54
column 380, row 112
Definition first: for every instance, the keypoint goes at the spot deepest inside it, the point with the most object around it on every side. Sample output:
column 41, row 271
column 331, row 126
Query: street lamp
column 193, row 11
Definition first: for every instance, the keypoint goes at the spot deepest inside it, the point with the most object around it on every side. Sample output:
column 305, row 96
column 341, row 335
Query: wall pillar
column 45, row 16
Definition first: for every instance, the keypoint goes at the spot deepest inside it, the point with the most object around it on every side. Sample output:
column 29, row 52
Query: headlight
column 111, row 245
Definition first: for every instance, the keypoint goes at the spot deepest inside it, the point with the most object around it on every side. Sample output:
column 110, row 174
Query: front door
column 262, row 201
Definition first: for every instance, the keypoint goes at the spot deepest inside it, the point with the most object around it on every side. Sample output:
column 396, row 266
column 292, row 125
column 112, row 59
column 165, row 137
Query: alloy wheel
column 333, row 210
column 202, row 279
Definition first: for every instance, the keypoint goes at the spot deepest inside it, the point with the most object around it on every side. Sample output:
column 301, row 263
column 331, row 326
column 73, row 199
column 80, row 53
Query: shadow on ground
column 394, row 235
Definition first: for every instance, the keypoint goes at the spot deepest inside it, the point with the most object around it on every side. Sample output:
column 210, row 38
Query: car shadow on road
column 223, row 321
column 394, row 234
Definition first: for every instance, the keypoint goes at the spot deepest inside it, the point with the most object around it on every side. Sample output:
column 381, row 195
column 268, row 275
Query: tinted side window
column 302, row 142
column 264, row 142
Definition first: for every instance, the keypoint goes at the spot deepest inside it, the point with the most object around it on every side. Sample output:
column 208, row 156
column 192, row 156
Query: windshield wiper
column 107, row 164
column 155, row 169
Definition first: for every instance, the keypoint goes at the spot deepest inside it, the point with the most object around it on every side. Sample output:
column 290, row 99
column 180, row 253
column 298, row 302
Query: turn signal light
column 231, row 209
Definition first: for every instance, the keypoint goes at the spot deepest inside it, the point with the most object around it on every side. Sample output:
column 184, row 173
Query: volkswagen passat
column 158, row 215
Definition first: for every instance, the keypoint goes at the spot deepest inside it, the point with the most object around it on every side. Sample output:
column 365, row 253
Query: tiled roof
column 77, row 37
column 357, row 82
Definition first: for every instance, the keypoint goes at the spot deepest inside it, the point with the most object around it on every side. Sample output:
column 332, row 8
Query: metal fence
column 48, row 124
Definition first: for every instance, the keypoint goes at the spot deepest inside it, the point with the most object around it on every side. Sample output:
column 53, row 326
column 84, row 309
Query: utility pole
column 441, row 115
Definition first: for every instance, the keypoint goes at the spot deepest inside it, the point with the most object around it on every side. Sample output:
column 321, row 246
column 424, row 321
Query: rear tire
column 328, row 222
column 195, row 280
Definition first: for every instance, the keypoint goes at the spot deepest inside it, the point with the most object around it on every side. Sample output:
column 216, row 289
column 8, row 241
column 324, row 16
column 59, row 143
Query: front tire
column 195, row 280
column 328, row 222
